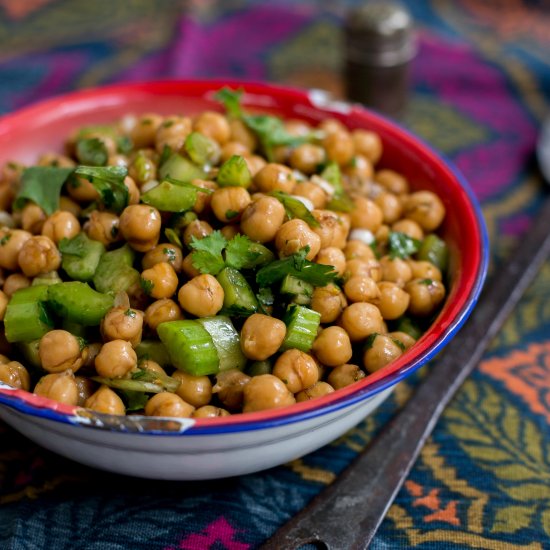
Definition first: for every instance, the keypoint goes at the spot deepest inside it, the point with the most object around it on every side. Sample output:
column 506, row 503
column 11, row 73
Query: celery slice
column 301, row 327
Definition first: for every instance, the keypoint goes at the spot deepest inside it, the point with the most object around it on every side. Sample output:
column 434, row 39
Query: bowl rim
column 425, row 348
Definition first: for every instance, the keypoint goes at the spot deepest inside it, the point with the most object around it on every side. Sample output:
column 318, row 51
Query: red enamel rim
column 23, row 133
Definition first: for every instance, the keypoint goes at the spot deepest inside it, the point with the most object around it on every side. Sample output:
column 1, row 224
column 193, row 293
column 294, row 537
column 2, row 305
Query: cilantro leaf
column 231, row 100
column 91, row 151
column 77, row 246
column 147, row 286
column 238, row 253
column 298, row 266
column 42, row 185
column 109, row 182
column 295, row 208
column 207, row 253
column 401, row 245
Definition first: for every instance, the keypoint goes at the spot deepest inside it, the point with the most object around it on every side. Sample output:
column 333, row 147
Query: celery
column 301, row 327
column 51, row 278
column 115, row 272
column 239, row 299
column 234, row 172
column 171, row 198
column 81, row 256
column 434, row 250
column 155, row 351
column 180, row 168
column 190, row 347
column 29, row 351
column 201, row 149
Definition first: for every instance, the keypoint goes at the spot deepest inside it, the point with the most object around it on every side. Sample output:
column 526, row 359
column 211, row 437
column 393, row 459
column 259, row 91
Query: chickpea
column 85, row 387
column 61, row 225
column 425, row 270
column 188, row 268
column 38, row 255
column 266, row 392
column 426, row 295
column 140, row 225
column 358, row 250
column 332, row 346
column 209, row 411
column 383, row 350
column 241, row 133
column 168, row 404
column 262, row 336
column 15, row 375
column 359, row 170
column 82, row 190
column 262, row 219
column 234, row 148
column 202, row 204
column 228, row 203
column 280, row 154
column 368, row 144
column 297, row 127
column 7, row 194
column 143, row 167
column 11, row 242
column 152, row 366
column 313, row 192
column 275, row 177
column 295, row 235
column 122, row 323
column 344, row 375
column 425, row 208
column 67, row 204
column 332, row 256
column 103, row 227
column 331, row 126
column 390, row 205
column 55, row 159
column 366, row 215
column 115, row 359
column 406, row 339
column 213, row 125
column 361, row 288
column 408, row 227
column 32, row 218
column 339, row 147
column 197, row 229
column 229, row 388
column 15, row 282
column 298, row 370
column 4, row 359
column 382, row 234
column 133, row 191
column 255, row 163
column 229, row 231
column 59, row 350
column 60, row 387
column 329, row 301
column 313, row 392
column 172, row 132
column 392, row 300
column 361, row 319
column 144, row 131
column 105, row 401
column 161, row 279
column 369, row 268
column 202, row 296
column 392, row 181
column 164, row 252
column 333, row 230
column 307, row 158
column 3, row 304
column 395, row 270
column 195, row 390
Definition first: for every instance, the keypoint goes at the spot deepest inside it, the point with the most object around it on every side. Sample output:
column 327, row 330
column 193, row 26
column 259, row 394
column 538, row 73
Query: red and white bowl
column 240, row 444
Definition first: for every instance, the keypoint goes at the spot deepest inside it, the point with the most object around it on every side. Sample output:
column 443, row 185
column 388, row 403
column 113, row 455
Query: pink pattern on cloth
column 219, row 531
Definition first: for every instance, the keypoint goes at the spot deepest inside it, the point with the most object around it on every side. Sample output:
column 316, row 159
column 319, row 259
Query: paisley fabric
column 481, row 87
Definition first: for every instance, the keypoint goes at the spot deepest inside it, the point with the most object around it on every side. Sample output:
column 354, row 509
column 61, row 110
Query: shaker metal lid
column 379, row 33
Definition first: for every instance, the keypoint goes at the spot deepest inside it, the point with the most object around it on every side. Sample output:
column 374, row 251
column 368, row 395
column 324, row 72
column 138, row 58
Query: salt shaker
column 379, row 46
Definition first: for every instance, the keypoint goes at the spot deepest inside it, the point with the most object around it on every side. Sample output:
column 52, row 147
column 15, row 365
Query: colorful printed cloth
column 481, row 90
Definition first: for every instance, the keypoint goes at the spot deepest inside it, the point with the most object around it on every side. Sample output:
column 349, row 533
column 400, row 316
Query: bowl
column 180, row 449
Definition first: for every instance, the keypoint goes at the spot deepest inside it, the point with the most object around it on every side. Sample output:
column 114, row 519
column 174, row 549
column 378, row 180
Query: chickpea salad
column 207, row 265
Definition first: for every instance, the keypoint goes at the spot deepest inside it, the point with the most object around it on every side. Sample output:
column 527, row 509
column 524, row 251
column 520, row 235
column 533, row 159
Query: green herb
column 170, row 253
column 91, row 151
column 147, row 286
column 401, row 245
column 165, row 155
column 265, row 298
column 426, row 282
column 369, row 341
column 295, row 208
column 398, row 343
column 5, row 239
column 298, row 266
column 42, row 185
column 231, row 100
column 134, row 400
column 75, row 246
column 207, row 253
column 173, row 237
column 109, row 182
column 230, row 214
column 130, row 312
column 124, row 145
column 167, row 123
column 238, row 253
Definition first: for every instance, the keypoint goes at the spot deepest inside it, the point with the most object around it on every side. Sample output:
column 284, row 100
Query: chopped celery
column 127, row 384
column 239, row 299
column 26, row 316
column 227, row 341
column 201, row 149
column 78, row 302
column 190, row 347
column 234, row 172
column 434, row 250
column 295, row 208
column 29, row 351
column 81, row 256
column 115, row 272
column 51, row 278
column 340, row 200
column 180, row 168
column 296, row 287
column 301, row 327
column 155, row 351
column 171, row 198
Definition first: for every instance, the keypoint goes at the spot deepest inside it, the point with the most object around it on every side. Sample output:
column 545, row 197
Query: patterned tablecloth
column 481, row 89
